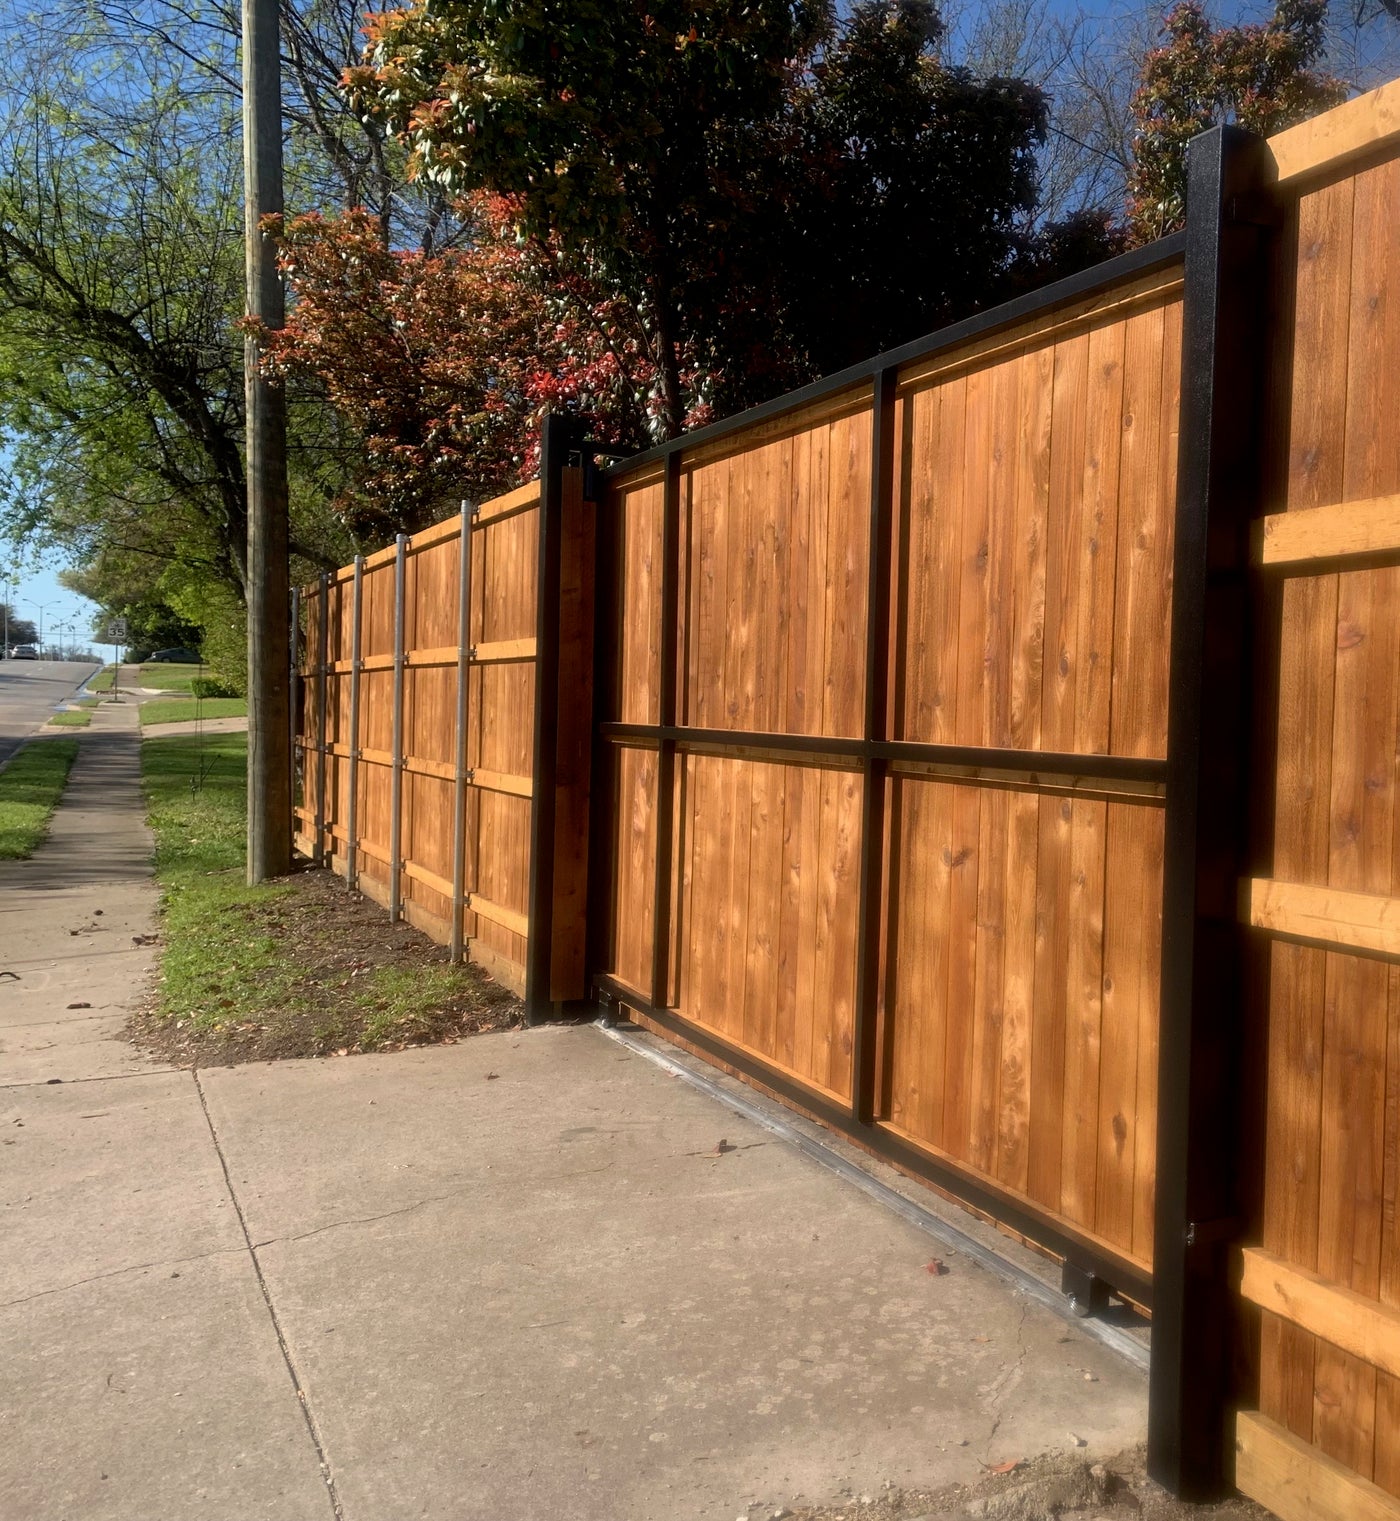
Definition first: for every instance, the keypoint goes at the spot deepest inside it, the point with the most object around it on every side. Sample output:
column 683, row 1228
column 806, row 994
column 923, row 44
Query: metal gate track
column 773, row 1119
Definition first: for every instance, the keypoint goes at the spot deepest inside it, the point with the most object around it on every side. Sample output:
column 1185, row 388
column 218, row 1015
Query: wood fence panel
column 1333, row 1088
column 499, row 739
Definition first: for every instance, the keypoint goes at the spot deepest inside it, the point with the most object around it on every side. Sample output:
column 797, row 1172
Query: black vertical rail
column 559, row 436
column 397, row 752
column 352, row 785
column 666, row 752
column 460, row 774
column 877, row 666
column 323, row 639
column 602, row 803
column 294, row 703
column 1199, row 1191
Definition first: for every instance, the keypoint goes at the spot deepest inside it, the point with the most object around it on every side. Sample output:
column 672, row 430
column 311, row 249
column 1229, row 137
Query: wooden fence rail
column 991, row 750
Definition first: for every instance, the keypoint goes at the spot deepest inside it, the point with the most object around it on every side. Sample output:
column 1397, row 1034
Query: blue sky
column 29, row 585
column 27, row 578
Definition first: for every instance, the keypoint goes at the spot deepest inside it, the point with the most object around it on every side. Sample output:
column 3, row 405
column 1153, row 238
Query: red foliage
column 443, row 364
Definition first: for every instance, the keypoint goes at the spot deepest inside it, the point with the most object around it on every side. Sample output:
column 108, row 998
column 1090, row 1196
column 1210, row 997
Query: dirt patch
column 331, row 976
column 1040, row 1489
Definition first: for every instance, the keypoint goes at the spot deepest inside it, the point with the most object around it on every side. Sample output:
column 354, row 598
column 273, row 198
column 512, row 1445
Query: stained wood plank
column 1083, row 994
column 1126, row 1137
column 1052, row 936
column 987, row 1012
column 1366, row 921
column 1356, row 1323
column 1297, row 1482
column 1018, row 990
column 1338, row 136
column 1334, row 532
column 1141, row 605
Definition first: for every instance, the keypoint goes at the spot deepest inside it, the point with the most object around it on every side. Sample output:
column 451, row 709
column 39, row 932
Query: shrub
column 211, row 686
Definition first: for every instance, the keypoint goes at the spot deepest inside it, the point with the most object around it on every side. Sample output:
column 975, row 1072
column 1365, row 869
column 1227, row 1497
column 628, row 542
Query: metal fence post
column 352, row 786
column 323, row 638
column 1201, row 1197
column 666, row 749
column 877, row 637
column 294, row 701
column 397, row 756
column 459, row 797
column 559, row 436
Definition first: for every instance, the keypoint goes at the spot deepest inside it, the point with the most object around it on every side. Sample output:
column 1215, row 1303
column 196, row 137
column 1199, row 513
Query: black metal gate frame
column 1202, row 784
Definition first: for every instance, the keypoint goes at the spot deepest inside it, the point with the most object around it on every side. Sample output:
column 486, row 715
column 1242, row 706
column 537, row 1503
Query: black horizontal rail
column 1137, row 261
column 1020, row 1215
column 1029, row 763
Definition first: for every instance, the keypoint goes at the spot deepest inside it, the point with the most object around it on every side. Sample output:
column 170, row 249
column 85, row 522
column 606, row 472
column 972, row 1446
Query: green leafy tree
column 626, row 132
column 769, row 189
column 1264, row 77
column 121, row 285
column 910, row 187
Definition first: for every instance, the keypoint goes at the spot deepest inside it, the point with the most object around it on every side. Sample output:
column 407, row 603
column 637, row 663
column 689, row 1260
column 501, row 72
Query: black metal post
column 877, row 662
column 294, row 701
column 666, row 754
column 561, row 435
column 1199, row 1203
column 323, row 637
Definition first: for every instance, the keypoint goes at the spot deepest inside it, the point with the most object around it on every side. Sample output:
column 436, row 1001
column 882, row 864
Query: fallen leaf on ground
column 936, row 1266
column 491, row 1076
column 1010, row 1466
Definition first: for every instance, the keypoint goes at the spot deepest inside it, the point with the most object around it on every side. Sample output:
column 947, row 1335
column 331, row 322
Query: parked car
column 174, row 657
column 24, row 652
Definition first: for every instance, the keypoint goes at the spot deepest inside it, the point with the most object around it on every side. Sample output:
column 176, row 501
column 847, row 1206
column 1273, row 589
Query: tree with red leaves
column 1261, row 77
column 442, row 364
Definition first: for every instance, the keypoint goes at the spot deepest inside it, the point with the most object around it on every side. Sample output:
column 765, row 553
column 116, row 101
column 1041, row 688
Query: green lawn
column 30, row 787
column 297, row 967
column 170, row 678
column 102, row 682
column 215, row 966
column 174, row 710
column 67, row 720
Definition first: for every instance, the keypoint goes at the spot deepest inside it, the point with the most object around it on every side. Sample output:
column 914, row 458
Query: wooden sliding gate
column 884, row 733
column 992, row 750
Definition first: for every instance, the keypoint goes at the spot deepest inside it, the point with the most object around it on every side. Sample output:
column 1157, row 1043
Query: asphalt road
column 29, row 692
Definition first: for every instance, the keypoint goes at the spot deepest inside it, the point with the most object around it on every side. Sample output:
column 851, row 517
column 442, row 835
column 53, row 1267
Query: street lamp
column 9, row 586
column 30, row 602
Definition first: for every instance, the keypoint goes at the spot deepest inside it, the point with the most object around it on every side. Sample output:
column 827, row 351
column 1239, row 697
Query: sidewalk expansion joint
column 303, row 1403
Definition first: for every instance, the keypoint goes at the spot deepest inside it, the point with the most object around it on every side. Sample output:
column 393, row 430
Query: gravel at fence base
column 1057, row 1485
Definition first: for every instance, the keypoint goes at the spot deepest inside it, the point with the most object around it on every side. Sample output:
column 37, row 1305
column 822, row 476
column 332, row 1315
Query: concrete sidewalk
column 513, row 1278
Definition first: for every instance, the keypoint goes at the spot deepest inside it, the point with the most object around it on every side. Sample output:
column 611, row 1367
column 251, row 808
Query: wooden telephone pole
column 269, row 634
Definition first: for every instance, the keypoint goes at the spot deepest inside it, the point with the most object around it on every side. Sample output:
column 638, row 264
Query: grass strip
column 30, row 787
column 168, row 678
column 296, row 967
column 102, row 682
column 69, row 720
column 174, row 710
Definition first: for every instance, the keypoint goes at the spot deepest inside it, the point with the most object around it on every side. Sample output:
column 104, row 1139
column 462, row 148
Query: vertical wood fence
column 910, row 744
column 418, row 739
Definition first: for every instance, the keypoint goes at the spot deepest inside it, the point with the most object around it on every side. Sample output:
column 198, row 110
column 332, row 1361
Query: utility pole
column 269, row 641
